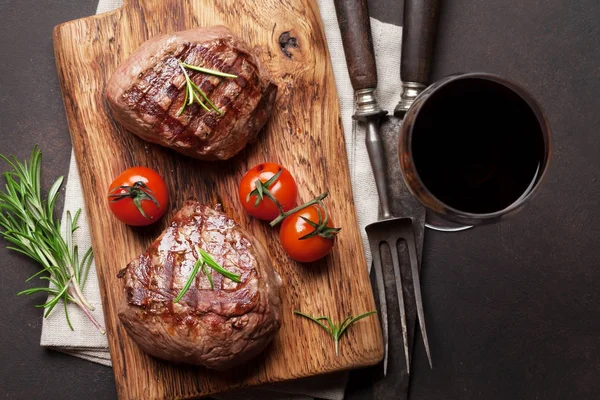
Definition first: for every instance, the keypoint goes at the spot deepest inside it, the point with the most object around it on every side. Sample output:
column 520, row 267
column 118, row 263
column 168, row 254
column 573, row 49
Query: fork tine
column 399, row 289
column 414, row 269
column 382, row 303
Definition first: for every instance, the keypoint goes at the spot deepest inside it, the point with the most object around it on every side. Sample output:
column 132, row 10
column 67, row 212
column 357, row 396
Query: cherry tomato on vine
column 138, row 196
column 307, row 241
column 276, row 186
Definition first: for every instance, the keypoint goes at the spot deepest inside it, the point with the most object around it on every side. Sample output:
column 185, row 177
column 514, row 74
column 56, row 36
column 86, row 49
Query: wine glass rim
column 543, row 125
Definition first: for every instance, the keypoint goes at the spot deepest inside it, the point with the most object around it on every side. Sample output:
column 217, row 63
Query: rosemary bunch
column 27, row 222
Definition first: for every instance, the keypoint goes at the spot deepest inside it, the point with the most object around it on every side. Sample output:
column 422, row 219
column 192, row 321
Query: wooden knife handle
column 353, row 18
column 418, row 36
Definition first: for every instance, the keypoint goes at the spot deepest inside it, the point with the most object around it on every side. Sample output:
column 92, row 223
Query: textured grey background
column 513, row 309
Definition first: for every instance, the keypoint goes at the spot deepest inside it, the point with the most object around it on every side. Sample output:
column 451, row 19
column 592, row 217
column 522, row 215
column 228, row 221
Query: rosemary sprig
column 336, row 331
column 193, row 93
column 202, row 263
column 27, row 221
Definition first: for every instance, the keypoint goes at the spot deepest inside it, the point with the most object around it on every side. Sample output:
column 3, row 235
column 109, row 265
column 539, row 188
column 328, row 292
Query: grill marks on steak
column 157, row 94
column 217, row 328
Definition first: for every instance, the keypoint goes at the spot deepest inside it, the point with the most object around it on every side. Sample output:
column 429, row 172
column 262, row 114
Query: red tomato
column 138, row 196
column 283, row 189
column 310, row 249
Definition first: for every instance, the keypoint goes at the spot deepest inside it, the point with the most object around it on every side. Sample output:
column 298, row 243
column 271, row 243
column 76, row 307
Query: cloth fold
column 87, row 343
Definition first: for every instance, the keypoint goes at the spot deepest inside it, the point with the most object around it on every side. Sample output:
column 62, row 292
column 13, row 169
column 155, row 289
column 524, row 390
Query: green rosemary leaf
column 208, row 275
column 214, row 265
column 189, row 88
column 65, row 301
column 27, row 292
column 35, row 275
column 184, row 102
column 210, row 103
column 208, row 71
column 69, row 237
column 193, row 92
column 197, row 99
column 343, row 324
column 21, row 249
column 53, row 196
column 55, row 282
column 204, row 259
column 35, row 170
column 352, row 320
column 10, row 162
column 317, row 320
column 49, row 305
column 335, row 331
column 74, row 227
column 86, row 263
column 75, row 263
column 190, row 280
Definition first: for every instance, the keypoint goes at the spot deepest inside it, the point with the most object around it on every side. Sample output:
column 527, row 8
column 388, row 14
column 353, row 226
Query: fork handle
column 353, row 18
column 418, row 36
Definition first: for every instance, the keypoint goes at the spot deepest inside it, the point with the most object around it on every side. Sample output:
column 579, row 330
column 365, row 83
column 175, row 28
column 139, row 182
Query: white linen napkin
column 86, row 342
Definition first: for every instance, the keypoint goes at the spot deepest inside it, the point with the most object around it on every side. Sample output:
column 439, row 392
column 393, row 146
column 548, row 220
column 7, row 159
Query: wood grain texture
column 304, row 133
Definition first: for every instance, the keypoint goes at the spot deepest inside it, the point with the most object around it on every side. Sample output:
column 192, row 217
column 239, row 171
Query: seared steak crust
column 148, row 90
column 217, row 328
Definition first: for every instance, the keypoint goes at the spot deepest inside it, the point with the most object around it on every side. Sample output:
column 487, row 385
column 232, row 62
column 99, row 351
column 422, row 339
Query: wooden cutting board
column 304, row 134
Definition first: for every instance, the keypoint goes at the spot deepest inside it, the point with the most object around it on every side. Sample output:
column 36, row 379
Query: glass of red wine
column 473, row 149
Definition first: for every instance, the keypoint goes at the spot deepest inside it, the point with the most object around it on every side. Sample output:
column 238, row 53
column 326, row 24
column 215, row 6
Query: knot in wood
column 287, row 42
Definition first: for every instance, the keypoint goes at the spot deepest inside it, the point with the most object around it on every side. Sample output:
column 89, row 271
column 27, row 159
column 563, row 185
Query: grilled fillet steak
column 147, row 91
column 217, row 328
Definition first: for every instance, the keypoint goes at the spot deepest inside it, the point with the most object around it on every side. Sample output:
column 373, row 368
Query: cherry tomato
column 294, row 227
column 138, row 196
column 283, row 189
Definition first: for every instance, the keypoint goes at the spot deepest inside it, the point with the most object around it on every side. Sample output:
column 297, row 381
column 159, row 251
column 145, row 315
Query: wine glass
column 473, row 149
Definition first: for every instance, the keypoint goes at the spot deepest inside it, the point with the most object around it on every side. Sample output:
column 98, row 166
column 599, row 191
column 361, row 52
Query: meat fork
column 355, row 28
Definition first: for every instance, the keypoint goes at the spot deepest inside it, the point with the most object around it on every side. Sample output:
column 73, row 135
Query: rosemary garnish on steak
column 193, row 93
column 202, row 263
column 336, row 331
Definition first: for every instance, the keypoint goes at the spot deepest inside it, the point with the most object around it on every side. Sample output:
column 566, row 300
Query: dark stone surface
column 32, row 113
column 513, row 310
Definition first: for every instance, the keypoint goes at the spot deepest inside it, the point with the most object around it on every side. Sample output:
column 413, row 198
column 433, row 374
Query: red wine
column 477, row 146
